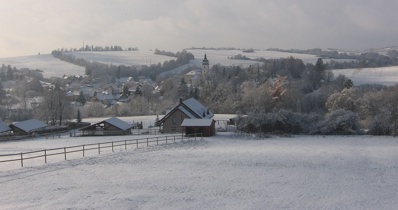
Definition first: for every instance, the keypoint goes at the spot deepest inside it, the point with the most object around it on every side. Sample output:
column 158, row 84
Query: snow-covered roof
column 4, row 127
column 102, row 96
column 196, row 122
column 192, row 108
column 119, row 123
column 194, row 72
column 189, row 114
column 198, row 108
column 29, row 125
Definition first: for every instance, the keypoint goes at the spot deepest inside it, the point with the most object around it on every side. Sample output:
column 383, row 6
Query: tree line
column 98, row 70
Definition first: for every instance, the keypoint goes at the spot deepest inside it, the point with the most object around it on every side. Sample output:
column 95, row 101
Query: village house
column 188, row 109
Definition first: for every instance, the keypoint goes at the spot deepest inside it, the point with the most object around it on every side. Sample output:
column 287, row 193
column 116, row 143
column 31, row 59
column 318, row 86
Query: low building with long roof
column 111, row 126
column 27, row 127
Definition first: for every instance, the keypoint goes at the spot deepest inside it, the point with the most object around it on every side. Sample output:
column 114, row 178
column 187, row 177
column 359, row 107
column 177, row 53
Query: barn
column 109, row 127
column 204, row 127
column 27, row 127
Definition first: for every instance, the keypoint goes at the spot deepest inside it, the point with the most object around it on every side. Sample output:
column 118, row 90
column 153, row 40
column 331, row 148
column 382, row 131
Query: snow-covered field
column 50, row 66
column 221, row 56
column 221, row 172
column 128, row 58
column 53, row 67
column 382, row 75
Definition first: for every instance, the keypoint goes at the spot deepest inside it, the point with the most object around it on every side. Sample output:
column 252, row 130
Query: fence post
column 147, row 141
column 65, row 152
column 83, row 150
column 21, row 160
column 136, row 142
column 125, row 144
column 99, row 148
column 112, row 146
column 45, row 156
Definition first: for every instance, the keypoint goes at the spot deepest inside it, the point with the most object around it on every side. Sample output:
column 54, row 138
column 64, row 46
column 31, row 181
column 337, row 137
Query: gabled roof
column 29, row 125
column 119, row 123
column 116, row 122
column 4, row 127
column 197, row 122
column 192, row 108
column 197, row 109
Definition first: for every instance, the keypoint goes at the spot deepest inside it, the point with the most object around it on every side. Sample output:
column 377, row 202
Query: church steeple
column 205, row 66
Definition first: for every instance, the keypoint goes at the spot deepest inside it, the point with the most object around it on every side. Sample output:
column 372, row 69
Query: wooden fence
column 63, row 151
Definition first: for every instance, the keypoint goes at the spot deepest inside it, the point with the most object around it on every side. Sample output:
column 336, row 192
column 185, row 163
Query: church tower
column 205, row 67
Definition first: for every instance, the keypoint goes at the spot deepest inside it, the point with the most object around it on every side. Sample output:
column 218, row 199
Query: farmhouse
column 27, row 127
column 188, row 109
column 111, row 126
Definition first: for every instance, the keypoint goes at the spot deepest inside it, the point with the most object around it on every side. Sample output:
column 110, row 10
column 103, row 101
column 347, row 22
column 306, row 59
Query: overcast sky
column 32, row 26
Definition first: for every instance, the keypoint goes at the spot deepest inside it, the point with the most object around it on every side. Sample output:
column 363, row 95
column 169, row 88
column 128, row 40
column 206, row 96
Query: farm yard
column 227, row 171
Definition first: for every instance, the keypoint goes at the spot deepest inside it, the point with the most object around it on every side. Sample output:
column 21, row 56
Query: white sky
column 32, row 26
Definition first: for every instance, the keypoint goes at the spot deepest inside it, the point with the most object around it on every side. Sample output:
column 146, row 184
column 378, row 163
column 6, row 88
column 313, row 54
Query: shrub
column 339, row 121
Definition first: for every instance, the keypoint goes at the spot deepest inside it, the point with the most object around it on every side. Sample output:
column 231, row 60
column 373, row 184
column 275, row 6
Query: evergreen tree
column 79, row 117
column 182, row 89
column 81, row 99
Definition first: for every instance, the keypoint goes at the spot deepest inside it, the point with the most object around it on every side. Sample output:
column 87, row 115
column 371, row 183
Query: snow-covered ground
column 50, row 66
column 381, row 75
column 221, row 172
column 128, row 58
column 221, row 56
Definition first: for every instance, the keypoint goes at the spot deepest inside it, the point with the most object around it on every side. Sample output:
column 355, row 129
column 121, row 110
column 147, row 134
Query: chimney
column 180, row 100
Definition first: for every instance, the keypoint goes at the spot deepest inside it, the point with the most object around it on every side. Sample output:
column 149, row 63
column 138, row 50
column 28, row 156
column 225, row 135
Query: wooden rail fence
column 23, row 156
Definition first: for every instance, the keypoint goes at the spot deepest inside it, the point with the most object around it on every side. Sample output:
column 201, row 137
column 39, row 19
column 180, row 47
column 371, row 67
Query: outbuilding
column 111, row 126
column 4, row 128
column 27, row 127
column 204, row 127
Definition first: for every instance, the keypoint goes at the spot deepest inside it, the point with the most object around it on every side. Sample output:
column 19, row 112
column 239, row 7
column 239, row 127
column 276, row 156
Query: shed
column 27, row 127
column 111, row 126
column 206, row 127
column 4, row 127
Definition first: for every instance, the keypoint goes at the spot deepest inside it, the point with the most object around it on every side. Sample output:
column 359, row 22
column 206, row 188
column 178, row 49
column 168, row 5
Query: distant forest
column 98, row 48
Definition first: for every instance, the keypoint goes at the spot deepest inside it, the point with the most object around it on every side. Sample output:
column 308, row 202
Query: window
column 173, row 120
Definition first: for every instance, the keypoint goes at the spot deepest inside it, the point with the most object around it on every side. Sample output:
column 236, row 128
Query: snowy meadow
column 226, row 171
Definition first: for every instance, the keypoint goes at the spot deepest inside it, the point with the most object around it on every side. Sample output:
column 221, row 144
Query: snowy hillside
column 222, row 172
column 128, row 58
column 50, row 66
column 221, row 56
column 382, row 75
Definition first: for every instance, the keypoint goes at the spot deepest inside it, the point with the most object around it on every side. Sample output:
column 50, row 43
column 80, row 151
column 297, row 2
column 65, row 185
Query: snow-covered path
column 222, row 172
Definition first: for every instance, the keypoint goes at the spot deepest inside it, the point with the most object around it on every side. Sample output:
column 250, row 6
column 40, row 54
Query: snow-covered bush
column 339, row 121
column 380, row 124
column 282, row 122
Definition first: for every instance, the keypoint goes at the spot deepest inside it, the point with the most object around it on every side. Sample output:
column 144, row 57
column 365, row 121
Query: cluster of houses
column 108, row 93
column 188, row 116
